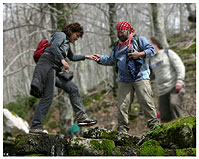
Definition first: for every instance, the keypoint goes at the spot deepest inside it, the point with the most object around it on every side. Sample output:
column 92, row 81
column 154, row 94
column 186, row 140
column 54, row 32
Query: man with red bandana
column 133, row 71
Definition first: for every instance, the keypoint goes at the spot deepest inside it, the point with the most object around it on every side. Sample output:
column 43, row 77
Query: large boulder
column 43, row 144
column 119, row 138
column 177, row 134
column 90, row 147
column 13, row 124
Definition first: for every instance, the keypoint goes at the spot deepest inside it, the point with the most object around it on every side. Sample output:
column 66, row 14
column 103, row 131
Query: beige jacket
column 168, row 69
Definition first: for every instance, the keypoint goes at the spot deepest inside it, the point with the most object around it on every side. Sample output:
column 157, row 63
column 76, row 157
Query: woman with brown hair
column 46, row 75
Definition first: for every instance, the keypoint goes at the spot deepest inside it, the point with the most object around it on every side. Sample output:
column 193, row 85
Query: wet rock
column 90, row 147
column 178, row 134
column 120, row 139
column 44, row 144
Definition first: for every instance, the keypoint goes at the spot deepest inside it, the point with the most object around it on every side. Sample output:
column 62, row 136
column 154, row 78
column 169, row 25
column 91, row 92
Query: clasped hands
column 134, row 55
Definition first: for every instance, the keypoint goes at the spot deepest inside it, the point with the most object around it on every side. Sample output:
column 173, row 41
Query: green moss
column 20, row 140
column 87, row 100
column 52, row 124
column 117, row 152
column 182, row 127
column 103, row 91
column 112, row 135
column 76, row 149
column 22, row 105
column 186, row 152
column 151, row 148
column 190, row 121
column 96, row 96
column 35, row 155
column 105, row 145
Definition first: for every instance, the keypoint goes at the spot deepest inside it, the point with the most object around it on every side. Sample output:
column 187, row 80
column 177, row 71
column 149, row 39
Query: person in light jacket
column 169, row 72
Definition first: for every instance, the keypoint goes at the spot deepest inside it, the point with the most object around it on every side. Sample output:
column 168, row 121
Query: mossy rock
column 120, row 139
column 151, row 148
column 48, row 145
column 90, row 147
column 177, row 134
column 186, row 152
column 125, row 151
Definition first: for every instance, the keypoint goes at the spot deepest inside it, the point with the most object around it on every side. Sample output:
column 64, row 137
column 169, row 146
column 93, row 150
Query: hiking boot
column 38, row 131
column 87, row 122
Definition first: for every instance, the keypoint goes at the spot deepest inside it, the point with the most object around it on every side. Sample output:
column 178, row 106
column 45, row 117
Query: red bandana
column 125, row 25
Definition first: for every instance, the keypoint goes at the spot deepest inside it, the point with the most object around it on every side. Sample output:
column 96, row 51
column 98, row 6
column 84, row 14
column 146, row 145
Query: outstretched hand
column 94, row 57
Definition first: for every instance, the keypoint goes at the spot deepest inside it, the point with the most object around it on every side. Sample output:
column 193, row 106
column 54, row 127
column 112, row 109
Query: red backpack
column 40, row 49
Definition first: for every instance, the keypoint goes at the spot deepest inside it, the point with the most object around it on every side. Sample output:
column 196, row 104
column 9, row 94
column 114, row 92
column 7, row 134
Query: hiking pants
column 47, row 98
column 171, row 105
column 145, row 98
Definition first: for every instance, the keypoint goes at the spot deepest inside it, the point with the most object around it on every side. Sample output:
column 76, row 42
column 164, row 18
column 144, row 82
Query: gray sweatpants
column 47, row 98
column 145, row 98
column 171, row 105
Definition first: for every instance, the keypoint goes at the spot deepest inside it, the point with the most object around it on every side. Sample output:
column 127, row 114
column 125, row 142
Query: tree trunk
column 181, row 18
column 112, row 26
column 158, row 23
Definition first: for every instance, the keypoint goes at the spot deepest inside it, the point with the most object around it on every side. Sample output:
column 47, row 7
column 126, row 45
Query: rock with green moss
column 120, row 139
column 125, row 151
column 47, row 145
column 186, row 152
column 90, row 147
column 181, row 152
column 177, row 134
column 151, row 148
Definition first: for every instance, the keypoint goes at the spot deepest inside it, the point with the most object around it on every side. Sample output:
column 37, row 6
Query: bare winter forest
column 25, row 24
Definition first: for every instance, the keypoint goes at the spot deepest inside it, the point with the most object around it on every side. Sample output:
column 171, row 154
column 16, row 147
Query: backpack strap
column 166, row 51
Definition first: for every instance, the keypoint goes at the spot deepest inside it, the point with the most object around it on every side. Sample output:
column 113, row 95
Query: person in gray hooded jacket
column 169, row 72
column 45, row 75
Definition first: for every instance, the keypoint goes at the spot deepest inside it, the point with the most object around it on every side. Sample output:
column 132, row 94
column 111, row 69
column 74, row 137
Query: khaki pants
column 171, row 105
column 145, row 99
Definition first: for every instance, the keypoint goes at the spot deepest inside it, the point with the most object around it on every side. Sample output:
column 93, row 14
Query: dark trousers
column 171, row 105
column 47, row 98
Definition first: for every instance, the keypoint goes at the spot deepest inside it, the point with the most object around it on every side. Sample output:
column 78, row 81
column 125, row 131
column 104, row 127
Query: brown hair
column 157, row 42
column 71, row 28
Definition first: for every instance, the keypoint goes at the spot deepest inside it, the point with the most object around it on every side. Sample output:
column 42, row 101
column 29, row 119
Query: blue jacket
column 127, row 68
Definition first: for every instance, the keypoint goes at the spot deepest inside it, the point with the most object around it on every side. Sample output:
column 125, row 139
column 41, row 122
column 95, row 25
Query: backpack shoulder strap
column 115, row 44
column 166, row 51
column 136, row 38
